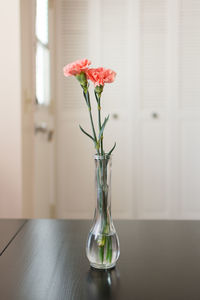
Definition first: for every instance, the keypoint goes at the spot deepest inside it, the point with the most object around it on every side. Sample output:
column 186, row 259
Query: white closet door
column 152, row 144
column 115, row 43
column 188, row 112
column 168, row 162
column 85, row 29
column 74, row 151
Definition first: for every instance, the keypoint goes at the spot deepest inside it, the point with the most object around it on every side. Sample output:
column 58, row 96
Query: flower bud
column 83, row 80
column 99, row 90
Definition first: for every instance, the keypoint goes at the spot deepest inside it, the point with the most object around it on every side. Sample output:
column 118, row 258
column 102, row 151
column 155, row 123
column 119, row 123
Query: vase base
column 103, row 267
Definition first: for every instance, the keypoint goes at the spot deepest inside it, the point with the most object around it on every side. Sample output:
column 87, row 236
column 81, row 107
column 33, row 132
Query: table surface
column 8, row 231
column 46, row 260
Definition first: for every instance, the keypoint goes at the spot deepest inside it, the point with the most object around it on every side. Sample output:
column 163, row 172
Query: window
column 42, row 53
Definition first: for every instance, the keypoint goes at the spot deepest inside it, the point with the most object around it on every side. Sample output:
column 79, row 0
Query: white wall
column 10, row 110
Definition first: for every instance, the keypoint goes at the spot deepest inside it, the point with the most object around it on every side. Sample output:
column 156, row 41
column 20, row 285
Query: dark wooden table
column 45, row 259
column 8, row 231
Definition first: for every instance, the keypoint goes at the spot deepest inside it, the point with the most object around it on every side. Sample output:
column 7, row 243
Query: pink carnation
column 99, row 76
column 76, row 67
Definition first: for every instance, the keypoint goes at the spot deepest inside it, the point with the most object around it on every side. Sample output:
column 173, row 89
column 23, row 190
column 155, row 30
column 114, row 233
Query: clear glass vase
column 102, row 248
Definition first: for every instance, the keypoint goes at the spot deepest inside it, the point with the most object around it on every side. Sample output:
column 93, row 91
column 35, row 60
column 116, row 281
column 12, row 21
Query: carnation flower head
column 100, row 76
column 76, row 67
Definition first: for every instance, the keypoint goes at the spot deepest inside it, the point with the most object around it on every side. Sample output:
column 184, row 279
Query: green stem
column 87, row 95
column 92, row 124
column 99, row 118
column 101, row 253
column 109, row 249
column 105, row 241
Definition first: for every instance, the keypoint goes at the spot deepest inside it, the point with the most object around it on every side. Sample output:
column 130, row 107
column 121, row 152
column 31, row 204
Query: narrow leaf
column 86, row 96
column 96, row 96
column 86, row 133
column 102, row 127
column 109, row 153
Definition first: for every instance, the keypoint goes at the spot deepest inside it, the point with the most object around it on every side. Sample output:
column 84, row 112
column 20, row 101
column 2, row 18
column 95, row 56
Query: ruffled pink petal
column 76, row 67
column 99, row 76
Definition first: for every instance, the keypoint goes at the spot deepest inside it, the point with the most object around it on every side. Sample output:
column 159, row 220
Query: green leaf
column 96, row 96
column 87, row 99
column 103, row 126
column 86, row 133
column 109, row 153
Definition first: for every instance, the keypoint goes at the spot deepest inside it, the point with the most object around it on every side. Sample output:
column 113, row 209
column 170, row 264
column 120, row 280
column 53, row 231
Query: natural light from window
column 42, row 53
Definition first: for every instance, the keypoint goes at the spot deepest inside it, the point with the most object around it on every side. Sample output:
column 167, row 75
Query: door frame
column 29, row 106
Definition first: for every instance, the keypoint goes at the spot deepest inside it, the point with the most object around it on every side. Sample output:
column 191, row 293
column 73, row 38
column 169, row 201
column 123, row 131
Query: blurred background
column 46, row 163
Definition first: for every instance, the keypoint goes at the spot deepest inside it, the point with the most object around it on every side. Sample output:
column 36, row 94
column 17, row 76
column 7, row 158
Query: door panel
column 189, row 62
column 43, row 163
column 188, row 112
column 152, row 198
column 152, row 137
column 75, row 181
column 190, row 168
column 153, row 53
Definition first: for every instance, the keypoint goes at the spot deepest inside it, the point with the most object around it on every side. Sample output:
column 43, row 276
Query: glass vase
column 102, row 248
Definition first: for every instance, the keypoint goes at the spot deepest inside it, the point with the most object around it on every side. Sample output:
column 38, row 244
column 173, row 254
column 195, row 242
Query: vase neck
column 103, row 186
